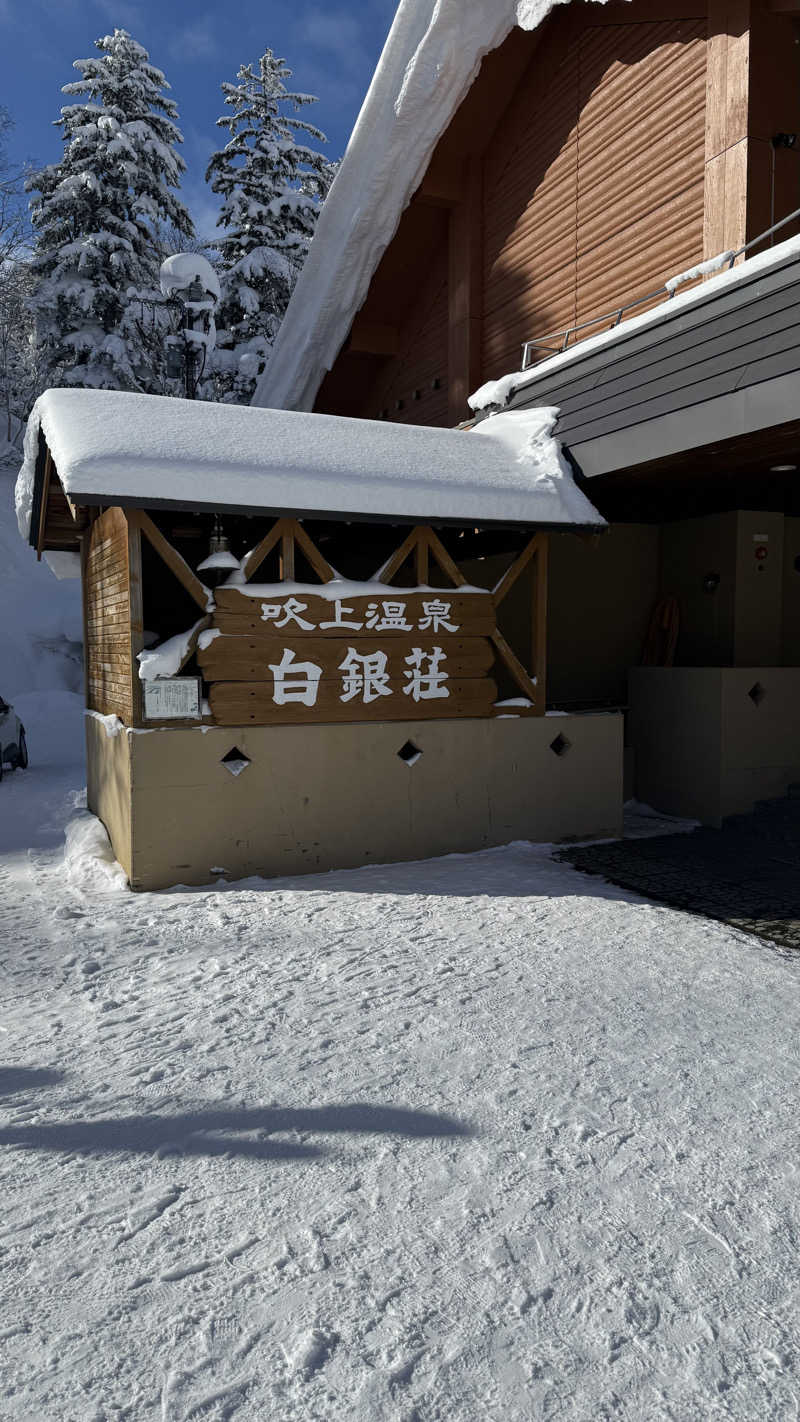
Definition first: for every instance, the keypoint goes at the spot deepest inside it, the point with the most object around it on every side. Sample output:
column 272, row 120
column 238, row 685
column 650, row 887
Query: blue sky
column 332, row 50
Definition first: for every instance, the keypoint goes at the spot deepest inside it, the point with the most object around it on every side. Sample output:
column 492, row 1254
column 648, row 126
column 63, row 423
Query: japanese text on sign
column 388, row 615
column 365, row 677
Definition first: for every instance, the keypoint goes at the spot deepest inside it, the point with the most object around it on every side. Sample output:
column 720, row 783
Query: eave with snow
column 593, row 187
column 320, row 598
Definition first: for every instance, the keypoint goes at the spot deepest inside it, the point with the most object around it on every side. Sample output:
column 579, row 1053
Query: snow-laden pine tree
column 272, row 185
column 94, row 219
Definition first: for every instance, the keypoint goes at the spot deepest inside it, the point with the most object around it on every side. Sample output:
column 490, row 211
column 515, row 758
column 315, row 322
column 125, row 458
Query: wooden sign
column 387, row 614
column 252, row 659
column 395, row 656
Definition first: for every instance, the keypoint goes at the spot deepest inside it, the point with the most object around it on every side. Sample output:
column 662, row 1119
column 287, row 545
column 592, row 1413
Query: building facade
column 589, row 160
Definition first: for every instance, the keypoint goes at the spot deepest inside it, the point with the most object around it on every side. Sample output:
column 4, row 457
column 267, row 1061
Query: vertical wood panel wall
column 636, row 142
column 599, row 195
column 108, row 649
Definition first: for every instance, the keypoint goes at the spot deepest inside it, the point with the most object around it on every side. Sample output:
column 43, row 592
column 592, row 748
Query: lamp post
column 189, row 281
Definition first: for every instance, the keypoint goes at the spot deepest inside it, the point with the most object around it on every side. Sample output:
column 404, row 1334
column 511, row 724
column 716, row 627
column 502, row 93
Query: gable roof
column 430, row 59
column 150, row 451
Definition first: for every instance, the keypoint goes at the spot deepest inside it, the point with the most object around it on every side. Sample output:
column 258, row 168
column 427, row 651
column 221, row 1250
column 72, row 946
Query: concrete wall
column 704, row 747
column 790, row 652
column 690, row 550
column 601, row 592
column 324, row 797
column 743, row 622
column 108, row 785
column 759, row 590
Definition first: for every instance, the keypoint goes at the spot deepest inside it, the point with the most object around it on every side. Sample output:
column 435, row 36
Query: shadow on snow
column 214, row 1132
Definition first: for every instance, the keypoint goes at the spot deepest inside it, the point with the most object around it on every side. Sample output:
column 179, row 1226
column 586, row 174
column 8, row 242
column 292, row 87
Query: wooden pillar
column 465, row 289
column 539, row 623
column 727, row 112
column 136, row 615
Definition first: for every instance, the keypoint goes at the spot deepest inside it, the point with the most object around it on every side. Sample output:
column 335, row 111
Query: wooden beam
column 137, row 518
column 443, row 184
column 727, row 110
column 191, row 646
column 511, row 574
column 136, row 612
column 421, row 562
column 398, row 558
column 539, row 621
column 257, row 555
column 443, row 558
column 48, row 474
column 287, row 555
column 373, row 338
column 515, row 667
column 85, row 611
column 319, row 563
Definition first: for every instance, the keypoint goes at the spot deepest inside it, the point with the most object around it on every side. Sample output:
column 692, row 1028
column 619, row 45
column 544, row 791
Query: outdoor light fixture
column 710, row 582
column 220, row 563
column 782, row 468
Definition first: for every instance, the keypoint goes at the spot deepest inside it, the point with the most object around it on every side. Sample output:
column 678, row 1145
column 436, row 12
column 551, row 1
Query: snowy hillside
column 40, row 627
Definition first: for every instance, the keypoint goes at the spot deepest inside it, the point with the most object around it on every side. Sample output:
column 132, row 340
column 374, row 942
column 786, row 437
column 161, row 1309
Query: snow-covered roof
column 150, row 450
column 497, row 393
column 433, row 53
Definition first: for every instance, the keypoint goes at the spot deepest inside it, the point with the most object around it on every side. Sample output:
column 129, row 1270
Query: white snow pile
column 494, row 393
column 183, row 268
column 707, row 268
column 169, row 656
column 116, row 445
column 89, row 863
column 432, row 55
column 528, row 437
column 112, row 725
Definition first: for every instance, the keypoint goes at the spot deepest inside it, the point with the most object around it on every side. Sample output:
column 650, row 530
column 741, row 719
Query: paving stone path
column 746, row 874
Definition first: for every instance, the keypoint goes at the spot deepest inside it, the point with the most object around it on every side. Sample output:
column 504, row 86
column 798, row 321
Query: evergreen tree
column 272, row 185
column 95, row 218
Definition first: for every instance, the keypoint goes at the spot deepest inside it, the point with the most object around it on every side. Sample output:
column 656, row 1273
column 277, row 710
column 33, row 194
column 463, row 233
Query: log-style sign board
column 302, row 658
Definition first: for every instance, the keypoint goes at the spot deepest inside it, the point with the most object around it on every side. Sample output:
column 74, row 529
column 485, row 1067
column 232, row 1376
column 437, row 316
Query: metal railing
column 667, row 291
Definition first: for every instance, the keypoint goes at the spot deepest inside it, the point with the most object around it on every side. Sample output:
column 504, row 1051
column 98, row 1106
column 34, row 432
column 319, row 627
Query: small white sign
column 175, row 698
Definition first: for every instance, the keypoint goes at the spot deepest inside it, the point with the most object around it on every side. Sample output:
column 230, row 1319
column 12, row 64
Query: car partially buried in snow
column 13, row 747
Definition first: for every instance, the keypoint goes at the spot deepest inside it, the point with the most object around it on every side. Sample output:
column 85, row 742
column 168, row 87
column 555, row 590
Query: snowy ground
column 475, row 1138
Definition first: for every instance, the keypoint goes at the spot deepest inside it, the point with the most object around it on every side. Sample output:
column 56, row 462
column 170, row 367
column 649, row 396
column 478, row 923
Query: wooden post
column 465, row 293
column 85, row 536
column 727, row 111
column 136, row 616
column 539, row 623
column 48, row 474
column 421, row 570
column 287, row 557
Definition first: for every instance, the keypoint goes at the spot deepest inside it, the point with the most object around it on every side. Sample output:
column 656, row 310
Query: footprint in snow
column 310, row 1351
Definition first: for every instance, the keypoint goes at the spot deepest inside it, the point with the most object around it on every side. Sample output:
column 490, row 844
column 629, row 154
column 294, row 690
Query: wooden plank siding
column 599, row 196
column 615, row 147
column 109, row 647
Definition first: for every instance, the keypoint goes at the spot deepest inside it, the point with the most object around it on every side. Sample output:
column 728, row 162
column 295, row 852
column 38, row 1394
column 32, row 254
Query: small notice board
column 175, row 698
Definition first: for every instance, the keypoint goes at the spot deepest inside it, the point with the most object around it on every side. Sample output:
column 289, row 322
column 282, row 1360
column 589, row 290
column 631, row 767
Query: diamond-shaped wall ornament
column 235, row 761
column 560, row 745
column 409, row 754
column 757, row 693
